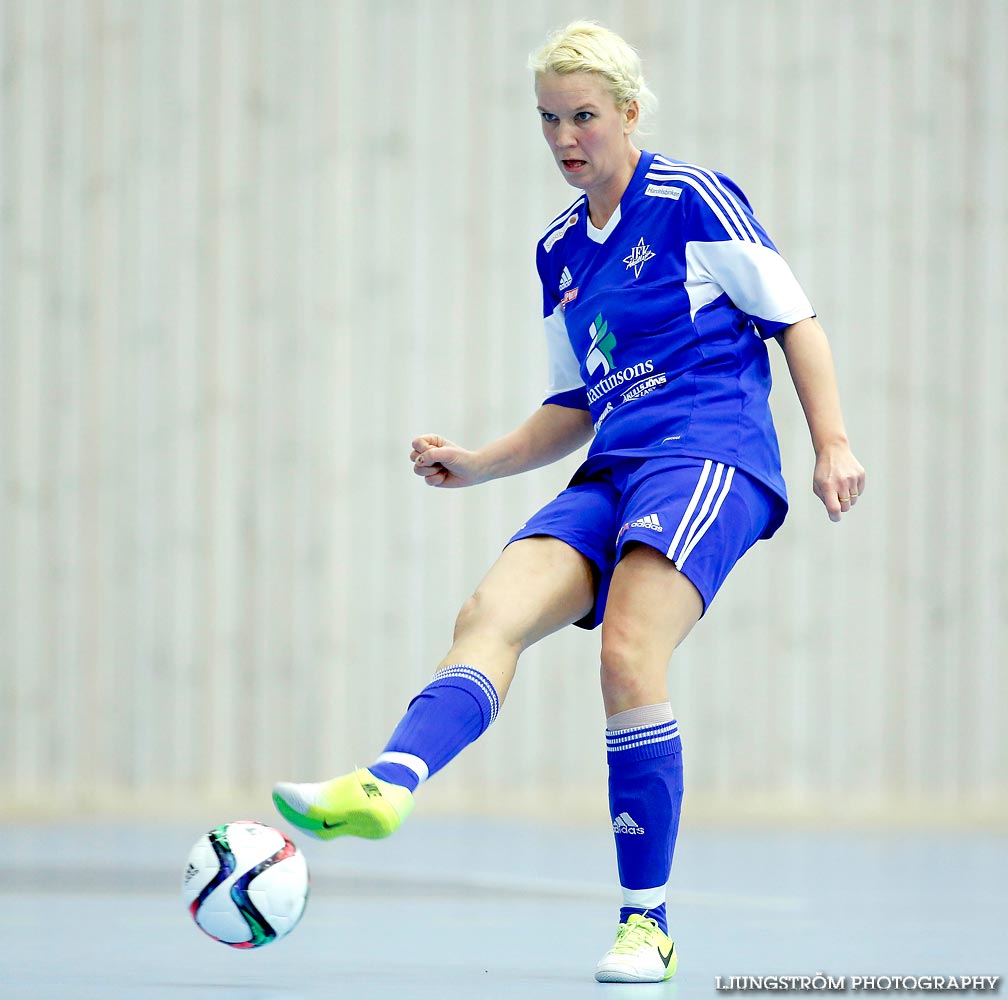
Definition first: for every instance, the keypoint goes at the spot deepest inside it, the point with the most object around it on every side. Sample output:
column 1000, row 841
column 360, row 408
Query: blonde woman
column 660, row 289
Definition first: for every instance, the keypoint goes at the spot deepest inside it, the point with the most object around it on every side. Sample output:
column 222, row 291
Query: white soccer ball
column 245, row 884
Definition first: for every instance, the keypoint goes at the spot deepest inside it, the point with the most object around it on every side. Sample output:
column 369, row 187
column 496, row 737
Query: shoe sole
column 615, row 976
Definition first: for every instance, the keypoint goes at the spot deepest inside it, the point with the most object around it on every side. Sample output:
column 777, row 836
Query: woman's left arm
column 839, row 478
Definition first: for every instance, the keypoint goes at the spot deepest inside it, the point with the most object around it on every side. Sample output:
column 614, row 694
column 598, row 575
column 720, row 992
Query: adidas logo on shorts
column 625, row 823
column 647, row 521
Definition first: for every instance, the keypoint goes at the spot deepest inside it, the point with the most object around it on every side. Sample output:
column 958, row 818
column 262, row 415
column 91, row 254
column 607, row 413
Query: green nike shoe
column 356, row 805
column 643, row 953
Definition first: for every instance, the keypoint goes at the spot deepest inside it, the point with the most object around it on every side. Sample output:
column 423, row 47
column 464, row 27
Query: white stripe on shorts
column 707, row 513
column 690, row 508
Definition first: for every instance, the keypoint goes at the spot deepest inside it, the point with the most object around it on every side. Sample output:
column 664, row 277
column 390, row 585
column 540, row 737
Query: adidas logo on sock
column 647, row 521
column 625, row 823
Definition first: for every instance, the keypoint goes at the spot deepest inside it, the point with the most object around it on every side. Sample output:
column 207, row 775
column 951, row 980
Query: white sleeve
column 755, row 277
column 564, row 367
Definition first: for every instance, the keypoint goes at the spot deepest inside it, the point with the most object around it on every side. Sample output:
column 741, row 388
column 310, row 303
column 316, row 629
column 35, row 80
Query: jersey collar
column 601, row 235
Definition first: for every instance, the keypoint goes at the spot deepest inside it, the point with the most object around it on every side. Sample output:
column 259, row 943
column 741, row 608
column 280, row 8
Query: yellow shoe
column 643, row 953
column 357, row 804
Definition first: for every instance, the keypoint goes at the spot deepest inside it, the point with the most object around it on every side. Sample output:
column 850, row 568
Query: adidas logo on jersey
column 566, row 279
column 647, row 521
column 625, row 823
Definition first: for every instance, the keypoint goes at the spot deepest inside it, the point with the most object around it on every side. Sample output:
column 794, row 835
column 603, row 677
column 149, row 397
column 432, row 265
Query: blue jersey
column 656, row 323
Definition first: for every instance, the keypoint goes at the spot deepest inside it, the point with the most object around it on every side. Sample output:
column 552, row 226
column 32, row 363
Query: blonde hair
column 588, row 47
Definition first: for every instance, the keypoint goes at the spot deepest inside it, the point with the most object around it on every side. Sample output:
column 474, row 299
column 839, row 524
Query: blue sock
column 442, row 720
column 645, row 797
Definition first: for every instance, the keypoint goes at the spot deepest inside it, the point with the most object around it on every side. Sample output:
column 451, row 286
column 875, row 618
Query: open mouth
column 574, row 165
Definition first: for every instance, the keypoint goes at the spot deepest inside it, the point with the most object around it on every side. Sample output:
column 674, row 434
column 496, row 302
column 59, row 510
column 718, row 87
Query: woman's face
column 587, row 133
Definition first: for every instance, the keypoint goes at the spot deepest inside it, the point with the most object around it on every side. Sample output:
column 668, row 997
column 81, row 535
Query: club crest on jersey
column 638, row 257
column 601, row 348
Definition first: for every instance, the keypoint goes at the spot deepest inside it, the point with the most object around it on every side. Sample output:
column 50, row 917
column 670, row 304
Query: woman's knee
column 469, row 615
column 630, row 673
column 620, row 658
column 537, row 585
column 481, row 616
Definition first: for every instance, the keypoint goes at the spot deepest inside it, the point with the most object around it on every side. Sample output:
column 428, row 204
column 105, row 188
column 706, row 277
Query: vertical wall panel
column 986, row 434
column 9, row 54
column 22, row 318
column 249, row 249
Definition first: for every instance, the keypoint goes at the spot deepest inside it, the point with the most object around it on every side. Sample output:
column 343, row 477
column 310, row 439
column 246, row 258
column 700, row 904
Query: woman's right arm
column 548, row 435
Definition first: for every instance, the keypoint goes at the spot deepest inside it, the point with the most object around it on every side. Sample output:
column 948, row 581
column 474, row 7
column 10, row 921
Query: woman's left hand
column 838, row 480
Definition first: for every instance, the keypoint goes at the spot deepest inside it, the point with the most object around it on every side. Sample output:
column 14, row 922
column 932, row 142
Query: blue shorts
column 702, row 514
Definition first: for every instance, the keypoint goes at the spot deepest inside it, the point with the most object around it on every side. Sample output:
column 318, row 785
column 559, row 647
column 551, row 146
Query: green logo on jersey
column 601, row 348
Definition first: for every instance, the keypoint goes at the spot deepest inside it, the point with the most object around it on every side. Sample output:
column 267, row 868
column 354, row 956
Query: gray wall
column 249, row 249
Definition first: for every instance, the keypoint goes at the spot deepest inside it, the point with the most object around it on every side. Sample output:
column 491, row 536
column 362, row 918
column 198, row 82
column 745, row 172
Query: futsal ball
column 245, row 884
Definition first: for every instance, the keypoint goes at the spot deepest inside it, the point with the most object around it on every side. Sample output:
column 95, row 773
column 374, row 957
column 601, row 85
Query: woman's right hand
column 444, row 464
column 548, row 434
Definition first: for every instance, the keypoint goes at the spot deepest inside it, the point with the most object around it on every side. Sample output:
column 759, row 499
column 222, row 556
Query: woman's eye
column 583, row 116
column 547, row 117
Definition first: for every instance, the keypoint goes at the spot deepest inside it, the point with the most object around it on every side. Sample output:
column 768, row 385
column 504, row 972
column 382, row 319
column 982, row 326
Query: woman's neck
column 605, row 200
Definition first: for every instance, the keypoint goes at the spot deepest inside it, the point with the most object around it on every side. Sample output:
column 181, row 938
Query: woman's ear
column 631, row 117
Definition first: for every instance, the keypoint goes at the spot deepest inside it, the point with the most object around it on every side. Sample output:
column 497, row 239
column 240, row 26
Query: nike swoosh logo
column 332, row 826
column 667, row 958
